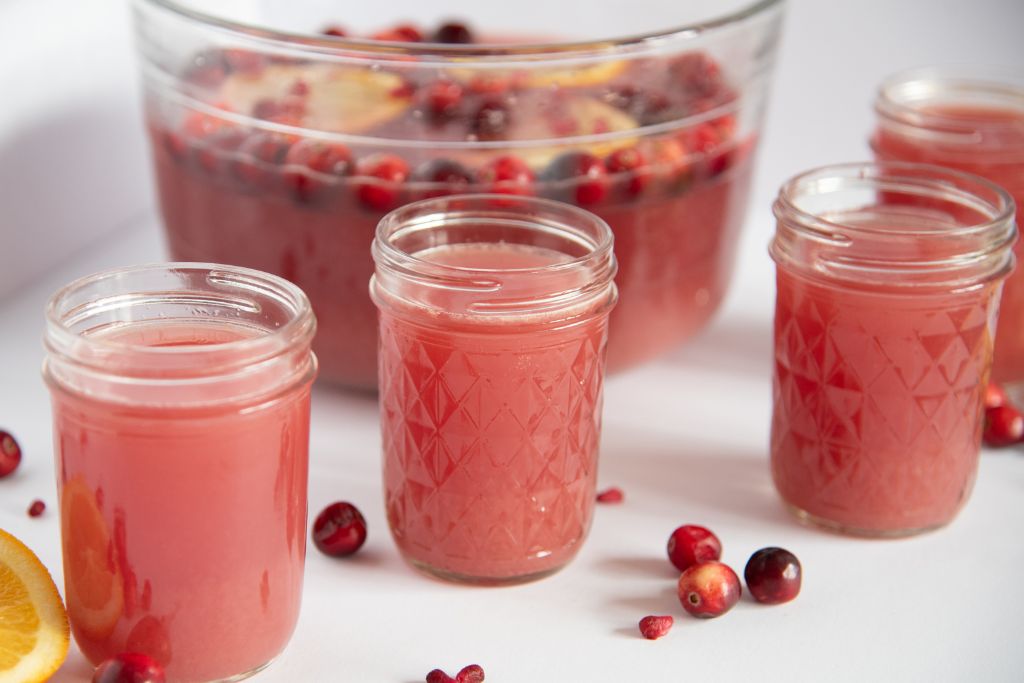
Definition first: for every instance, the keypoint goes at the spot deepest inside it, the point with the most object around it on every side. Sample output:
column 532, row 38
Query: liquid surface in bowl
column 295, row 163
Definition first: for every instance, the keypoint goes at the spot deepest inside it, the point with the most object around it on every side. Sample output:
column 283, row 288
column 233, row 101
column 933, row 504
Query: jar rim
column 62, row 311
column 640, row 42
column 900, row 96
column 568, row 224
column 866, row 254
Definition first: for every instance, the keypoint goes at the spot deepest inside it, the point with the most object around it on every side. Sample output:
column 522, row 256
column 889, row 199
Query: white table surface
column 685, row 438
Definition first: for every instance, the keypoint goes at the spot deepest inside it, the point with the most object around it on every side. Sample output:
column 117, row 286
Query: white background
column 685, row 437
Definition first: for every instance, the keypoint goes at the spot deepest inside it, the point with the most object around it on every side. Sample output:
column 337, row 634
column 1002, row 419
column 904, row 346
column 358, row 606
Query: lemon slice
column 33, row 623
column 341, row 99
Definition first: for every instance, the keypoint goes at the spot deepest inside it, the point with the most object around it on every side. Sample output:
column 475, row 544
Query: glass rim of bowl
column 638, row 42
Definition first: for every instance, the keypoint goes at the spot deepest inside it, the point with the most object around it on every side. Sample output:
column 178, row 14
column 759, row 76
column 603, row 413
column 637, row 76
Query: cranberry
column 129, row 667
column 698, row 74
column 709, row 141
column 438, row 676
column 212, row 151
column 508, row 175
column 691, row 544
column 442, row 99
column 631, row 174
column 309, row 160
column 472, row 673
column 654, row 627
column 381, row 176
column 995, row 396
column 335, row 31
column 611, row 495
column 37, row 508
column 1004, row 425
column 261, row 153
column 582, row 175
column 454, row 33
column 709, row 589
column 645, row 106
column 492, row 120
column 403, row 33
column 773, row 575
column 339, row 530
column 10, row 453
column 443, row 177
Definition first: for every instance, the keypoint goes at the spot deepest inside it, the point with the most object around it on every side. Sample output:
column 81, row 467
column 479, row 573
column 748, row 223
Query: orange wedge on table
column 33, row 623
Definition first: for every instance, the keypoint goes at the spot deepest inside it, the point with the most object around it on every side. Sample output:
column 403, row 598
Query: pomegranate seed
column 654, row 627
column 383, row 174
column 438, row 676
column 995, row 396
column 1004, row 425
column 472, row 673
column 611, row 495
column 335, row 30
column 630, row 171
column 443, row 177
column 691, row 544
column 10, row 453
column 129, row 667
column 307, row 159
column 508, row 175
column 442, row 99
column 37, row 508
column 339, row 530
column 709, row 589
column 773, row 575
column 261, row 153
column 454, row 33
column 588, row 176
column 491, row 120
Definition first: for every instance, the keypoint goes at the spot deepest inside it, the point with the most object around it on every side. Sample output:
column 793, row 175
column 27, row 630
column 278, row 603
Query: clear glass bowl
column 279, row 147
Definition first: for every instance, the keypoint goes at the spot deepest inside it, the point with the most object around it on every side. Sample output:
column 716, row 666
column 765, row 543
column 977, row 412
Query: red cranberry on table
column 473, row 673
column 129, row 667
column 335, row 31
column 1004, row 426
column 580, row 175
column 10, row 453
column 653, row 627
column 612, row 494
column 384, row 175
column 691, row 544
column 438, row 676
column 454, row 33
column 709, row 589
column 339, row 530
column 773, row 575
column 37, row 508
column 995, row 396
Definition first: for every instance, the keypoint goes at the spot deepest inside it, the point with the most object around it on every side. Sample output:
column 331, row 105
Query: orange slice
column 341, row 99
column 92, row 578
column 33, row 624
